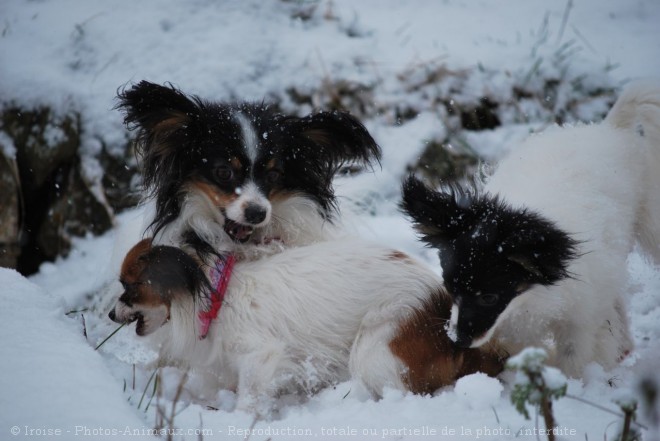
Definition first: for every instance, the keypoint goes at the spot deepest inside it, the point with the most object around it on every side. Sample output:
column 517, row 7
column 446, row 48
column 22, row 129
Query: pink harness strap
column 220, row 276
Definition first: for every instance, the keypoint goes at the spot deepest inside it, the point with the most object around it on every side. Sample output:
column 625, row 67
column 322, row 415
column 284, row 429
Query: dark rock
column 120, row 178
column 58, row 201
column 482, row 116
column 9, row 210
column 441, row 162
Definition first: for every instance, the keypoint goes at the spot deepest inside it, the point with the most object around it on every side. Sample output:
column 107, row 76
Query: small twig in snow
column 567, row 11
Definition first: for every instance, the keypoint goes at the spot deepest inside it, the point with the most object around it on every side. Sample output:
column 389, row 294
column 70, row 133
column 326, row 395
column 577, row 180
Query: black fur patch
column 490, row 252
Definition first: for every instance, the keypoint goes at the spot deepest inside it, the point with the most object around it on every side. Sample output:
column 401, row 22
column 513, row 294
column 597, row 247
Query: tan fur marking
column 219, row 198
column 431, row 358
column 132, row 267
column 236, row 163
column 398, row 255
column 162, row 145
column 175, row 121
column 132, row 270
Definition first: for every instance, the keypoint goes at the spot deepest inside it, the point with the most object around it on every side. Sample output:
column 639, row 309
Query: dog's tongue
column 241, row 232
column 238, row 232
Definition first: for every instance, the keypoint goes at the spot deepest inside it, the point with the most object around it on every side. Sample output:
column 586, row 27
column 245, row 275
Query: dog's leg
column 257, row 385
column 371, row 360
column 614, row 339
column 622, row 325
column 603, row 339
column 575, row 346
column 648, row 222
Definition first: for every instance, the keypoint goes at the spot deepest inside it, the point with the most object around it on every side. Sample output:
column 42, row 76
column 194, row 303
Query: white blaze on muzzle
column 453, row 323
column 249, row 198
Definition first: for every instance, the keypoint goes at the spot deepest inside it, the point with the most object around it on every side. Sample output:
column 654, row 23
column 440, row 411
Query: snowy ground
column 73, row 54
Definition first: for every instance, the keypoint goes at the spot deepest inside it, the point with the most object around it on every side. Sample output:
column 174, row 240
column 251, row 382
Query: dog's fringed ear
column 339, row 138
column 171, row 271
column 437, row 215
column 167, row 269
column 162, row 117
column 539, row 247
column 527, row 264
column 489, row 227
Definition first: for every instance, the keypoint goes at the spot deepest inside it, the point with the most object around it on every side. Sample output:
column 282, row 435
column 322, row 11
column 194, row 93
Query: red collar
column 220, row 276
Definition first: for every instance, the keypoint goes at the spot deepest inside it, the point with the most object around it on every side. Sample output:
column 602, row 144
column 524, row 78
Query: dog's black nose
column 255, row 214
column 111, row 314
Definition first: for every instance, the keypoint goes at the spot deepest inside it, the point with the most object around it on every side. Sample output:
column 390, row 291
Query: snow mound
column 478, row 391
column 53, row 383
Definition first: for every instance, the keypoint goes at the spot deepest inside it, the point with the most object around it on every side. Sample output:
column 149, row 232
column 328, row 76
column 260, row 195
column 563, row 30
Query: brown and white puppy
column 300, row 320
column 151, row 277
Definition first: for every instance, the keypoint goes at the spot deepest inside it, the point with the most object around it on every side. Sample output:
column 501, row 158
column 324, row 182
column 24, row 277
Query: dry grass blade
column 109, row 336
column 144, row 392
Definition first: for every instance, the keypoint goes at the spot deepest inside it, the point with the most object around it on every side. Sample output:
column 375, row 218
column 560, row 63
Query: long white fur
column 249, row 135
column 302, row 319
column 600, row 183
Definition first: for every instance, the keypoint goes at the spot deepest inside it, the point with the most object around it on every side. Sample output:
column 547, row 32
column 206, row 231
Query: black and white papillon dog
column 240, row 177
column 537, row 255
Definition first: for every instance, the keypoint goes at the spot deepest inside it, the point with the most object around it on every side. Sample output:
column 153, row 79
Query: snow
column 50, row 372
column 74, row 55
column 532, row 359
column 7, row 145
column 478, row 391
column 554, row 379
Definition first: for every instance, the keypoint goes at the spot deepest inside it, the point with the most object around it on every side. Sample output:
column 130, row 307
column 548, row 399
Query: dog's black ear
column 319, row 145
column 537, row 246
column 170, row 271
column 156, row 109
column 487, row 229
column 337, row 138
column 162, row 117
column 437, row 215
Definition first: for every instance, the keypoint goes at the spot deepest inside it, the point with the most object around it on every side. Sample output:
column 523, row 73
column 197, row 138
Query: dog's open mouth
column 139, row 327
column 135, row 317
column 238, row 232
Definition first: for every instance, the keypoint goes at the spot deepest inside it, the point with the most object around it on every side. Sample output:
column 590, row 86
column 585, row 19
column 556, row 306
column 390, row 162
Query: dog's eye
column 488, row 299
column 224, row 173
column 273, row 176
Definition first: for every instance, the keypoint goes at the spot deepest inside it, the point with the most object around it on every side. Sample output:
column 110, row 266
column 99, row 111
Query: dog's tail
column 638, row 109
